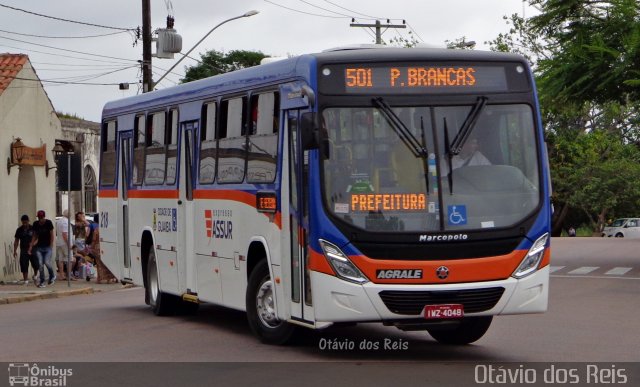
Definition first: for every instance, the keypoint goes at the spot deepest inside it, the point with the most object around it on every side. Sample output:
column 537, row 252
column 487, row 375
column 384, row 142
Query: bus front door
column 301, row 297
column 126, row 150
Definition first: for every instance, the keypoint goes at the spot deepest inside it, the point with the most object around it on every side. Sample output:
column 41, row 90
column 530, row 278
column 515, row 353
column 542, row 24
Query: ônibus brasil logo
column 25, row 374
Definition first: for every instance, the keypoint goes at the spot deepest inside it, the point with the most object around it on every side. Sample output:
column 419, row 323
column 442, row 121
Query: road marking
column 553, row 269
column 584, row 270
column 595, row 277
column 618, row 271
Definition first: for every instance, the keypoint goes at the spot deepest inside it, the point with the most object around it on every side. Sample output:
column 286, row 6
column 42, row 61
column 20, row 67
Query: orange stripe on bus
column 318, row 262
column 460, row 270
column 153, row 194
column 236, row 196
column 226, row 194
column 108, row 193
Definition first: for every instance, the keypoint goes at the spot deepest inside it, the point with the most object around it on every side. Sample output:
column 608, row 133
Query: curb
column 45, row 296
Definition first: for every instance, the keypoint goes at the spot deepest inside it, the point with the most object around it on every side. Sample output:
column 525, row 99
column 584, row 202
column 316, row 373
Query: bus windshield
column 377, row 179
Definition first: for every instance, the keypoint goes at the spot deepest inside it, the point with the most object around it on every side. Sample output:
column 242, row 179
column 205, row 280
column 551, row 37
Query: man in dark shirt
column 42, row 244
column 23, row 237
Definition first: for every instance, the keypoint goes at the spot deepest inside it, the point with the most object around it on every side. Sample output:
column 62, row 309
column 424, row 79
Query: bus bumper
column 336, row 300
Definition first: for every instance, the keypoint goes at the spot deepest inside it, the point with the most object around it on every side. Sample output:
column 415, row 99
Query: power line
column 65, row 65
column 85, row 69
column 58, row 55
column 88, row 77
column 415, row 32
column 68, row 83
column 354, row 12
column 306, row 13
column 65, row 37
column 165, row 79
column 65, row 20
column 64, row 49
column 324, row 9
column 378, row 26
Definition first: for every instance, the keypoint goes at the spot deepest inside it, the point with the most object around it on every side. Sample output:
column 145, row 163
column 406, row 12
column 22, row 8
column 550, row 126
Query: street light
column 59, row 150
column 247, row 14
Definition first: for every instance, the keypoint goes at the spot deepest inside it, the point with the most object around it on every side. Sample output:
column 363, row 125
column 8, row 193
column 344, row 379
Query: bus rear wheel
column 470, row 330
column 261, row 313
column 162, row 304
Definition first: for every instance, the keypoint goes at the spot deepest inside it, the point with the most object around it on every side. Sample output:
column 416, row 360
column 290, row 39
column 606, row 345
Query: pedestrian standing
column 23, row 237
column 41, row 244
column 80, row 232
column 63, row 243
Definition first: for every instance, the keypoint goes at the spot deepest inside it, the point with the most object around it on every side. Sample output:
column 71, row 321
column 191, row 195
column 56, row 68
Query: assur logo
column 399, row 274
column 26, row 374
column 443, row 238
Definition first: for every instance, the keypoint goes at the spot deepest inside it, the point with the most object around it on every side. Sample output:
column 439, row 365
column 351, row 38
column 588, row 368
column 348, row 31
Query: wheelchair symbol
column 457, row 215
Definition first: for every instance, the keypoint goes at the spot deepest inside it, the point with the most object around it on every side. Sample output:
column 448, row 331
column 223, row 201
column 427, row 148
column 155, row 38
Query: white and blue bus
column 403, row 186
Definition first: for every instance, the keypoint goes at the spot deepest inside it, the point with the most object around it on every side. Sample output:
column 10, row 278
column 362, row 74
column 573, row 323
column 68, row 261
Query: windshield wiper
column 458, row 142
column 417, row 149
column 447, row 151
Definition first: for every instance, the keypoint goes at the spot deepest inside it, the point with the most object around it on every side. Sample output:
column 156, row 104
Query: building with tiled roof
column 10, row 66
column 29, row 127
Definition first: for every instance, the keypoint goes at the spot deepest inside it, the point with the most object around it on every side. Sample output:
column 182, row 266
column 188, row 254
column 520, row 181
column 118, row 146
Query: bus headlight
column 530, row 263
column 344, row 268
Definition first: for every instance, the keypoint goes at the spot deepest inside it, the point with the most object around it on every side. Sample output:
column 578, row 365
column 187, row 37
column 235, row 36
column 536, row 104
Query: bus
column 405, row 186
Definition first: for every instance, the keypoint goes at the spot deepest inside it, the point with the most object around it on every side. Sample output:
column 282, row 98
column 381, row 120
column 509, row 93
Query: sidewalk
column 15, row 292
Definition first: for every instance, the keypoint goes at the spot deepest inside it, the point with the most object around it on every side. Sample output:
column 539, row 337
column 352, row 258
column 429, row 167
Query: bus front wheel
column 261, row 312
column 470, row 329
column 162, row 304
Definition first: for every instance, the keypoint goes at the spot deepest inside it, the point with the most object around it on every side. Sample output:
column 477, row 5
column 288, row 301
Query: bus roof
column 297, row 67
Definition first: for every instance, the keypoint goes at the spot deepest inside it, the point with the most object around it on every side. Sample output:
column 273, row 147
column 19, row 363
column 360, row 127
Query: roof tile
column 10, row 66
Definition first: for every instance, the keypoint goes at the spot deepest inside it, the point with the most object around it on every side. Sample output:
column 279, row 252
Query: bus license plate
column 443, row 311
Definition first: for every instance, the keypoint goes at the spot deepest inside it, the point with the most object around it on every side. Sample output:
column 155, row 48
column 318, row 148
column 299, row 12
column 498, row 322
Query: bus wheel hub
column 264, row 303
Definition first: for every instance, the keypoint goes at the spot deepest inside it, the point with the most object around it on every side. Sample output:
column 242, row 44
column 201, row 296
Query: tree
column 595, row 49
column 216, row 62
column 586, row 55
column 401, row 41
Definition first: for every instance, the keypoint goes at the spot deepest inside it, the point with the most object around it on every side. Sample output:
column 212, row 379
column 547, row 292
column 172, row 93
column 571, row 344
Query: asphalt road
column 591, row 318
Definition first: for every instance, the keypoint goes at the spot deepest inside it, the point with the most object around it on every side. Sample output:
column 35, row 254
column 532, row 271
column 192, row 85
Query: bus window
column 108, row 156
column 139, row 143
column 231, row 154
column 155, row 162
column 263, row 141
column 172, row 146
column 208, row 149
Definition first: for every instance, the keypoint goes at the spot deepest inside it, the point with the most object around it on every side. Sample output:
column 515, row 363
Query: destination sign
column 423, row 78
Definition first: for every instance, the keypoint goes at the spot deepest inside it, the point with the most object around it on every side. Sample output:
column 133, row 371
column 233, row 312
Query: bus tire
column 161, row 303
column 470, row 330
column 261, row 313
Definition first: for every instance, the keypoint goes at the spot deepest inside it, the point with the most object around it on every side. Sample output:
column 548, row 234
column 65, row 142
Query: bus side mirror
column 309, row 131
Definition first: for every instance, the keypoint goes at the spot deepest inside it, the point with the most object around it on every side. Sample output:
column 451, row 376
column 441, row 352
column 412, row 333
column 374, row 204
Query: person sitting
column 469, row 155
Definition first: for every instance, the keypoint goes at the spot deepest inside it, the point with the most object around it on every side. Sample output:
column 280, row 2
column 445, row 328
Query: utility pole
column 378, row 26
column 147, row 81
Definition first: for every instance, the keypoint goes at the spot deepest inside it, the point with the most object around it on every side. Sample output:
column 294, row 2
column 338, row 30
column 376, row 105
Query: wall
column 25, row 112
column 85, row 137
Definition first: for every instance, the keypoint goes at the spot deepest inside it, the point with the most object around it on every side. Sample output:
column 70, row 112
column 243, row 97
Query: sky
column 63, row 52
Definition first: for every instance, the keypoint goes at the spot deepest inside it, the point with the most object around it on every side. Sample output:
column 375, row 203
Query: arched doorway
column 90, row 199
column 26, row 192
